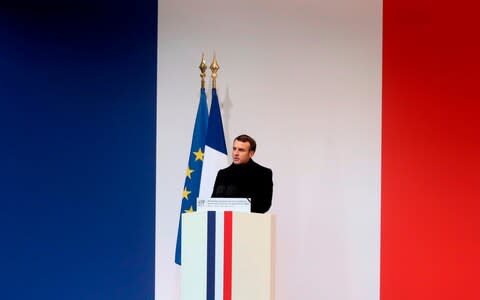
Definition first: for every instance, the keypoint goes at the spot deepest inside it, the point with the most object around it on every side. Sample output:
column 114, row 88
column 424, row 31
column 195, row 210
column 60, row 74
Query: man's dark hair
column 246, row 138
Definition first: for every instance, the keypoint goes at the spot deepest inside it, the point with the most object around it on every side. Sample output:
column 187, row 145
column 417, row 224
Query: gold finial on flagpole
column 203, row 69
column 214, row 68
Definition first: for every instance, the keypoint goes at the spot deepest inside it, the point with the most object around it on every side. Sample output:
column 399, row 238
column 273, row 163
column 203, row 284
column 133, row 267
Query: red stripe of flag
column 430, row 247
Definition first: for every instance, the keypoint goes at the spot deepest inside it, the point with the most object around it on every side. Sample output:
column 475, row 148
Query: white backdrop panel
column 304, row 79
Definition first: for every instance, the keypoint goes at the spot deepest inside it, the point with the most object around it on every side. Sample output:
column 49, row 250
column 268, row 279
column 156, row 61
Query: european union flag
column 194, row 169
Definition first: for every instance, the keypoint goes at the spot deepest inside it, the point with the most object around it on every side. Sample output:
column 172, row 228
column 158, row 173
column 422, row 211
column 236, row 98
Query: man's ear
column 251, row 153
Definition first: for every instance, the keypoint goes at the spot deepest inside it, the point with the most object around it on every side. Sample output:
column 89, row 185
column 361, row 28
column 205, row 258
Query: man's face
column 241, row 153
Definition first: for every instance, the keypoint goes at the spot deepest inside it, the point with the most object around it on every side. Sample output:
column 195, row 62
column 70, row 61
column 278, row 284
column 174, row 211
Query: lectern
column 226, row 256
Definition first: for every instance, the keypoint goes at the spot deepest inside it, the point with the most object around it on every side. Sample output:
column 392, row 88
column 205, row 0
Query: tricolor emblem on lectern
column 226, row 256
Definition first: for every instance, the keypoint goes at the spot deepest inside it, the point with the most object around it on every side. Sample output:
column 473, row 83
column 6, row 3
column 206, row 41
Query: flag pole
column 203, row 69
column 214, row 68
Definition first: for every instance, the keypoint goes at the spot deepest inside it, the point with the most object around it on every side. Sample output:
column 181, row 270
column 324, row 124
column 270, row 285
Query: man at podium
column 244, row 178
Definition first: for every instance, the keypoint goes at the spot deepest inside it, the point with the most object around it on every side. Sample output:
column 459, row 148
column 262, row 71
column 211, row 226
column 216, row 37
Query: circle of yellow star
column 199, row 154
column 185, row 193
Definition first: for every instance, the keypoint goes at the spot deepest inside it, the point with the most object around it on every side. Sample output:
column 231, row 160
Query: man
column 244, row 178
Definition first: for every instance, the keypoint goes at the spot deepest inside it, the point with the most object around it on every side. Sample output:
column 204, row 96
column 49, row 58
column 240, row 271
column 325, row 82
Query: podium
column 226, row 256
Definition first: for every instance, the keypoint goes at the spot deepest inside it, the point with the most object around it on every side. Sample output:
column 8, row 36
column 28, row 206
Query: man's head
column 243, row 149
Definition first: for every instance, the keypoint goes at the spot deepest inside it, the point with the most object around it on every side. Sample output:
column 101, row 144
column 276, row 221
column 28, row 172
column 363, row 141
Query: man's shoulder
column 257, row 168
column 227, row 168
column 261, row 168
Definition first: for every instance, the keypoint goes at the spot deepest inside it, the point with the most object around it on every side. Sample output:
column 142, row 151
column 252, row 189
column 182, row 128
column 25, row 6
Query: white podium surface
column 252, row 257
column 194, row 252
column 226, row 255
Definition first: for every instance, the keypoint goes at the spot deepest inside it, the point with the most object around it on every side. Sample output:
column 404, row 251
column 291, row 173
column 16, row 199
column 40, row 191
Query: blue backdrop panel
column 77, row 149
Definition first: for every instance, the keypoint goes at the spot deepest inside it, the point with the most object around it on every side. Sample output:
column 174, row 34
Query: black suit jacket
column 249, row 180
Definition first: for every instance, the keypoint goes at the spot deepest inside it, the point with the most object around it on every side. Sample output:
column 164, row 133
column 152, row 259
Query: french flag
column 215, row 157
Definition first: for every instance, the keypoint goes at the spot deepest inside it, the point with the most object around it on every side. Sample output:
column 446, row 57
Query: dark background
column 77, row 149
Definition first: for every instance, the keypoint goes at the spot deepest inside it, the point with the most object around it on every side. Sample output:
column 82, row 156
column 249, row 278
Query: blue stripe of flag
column 211, row 256
column 215, row 135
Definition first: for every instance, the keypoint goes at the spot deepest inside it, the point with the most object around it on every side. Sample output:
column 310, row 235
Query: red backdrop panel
column 430, row 233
